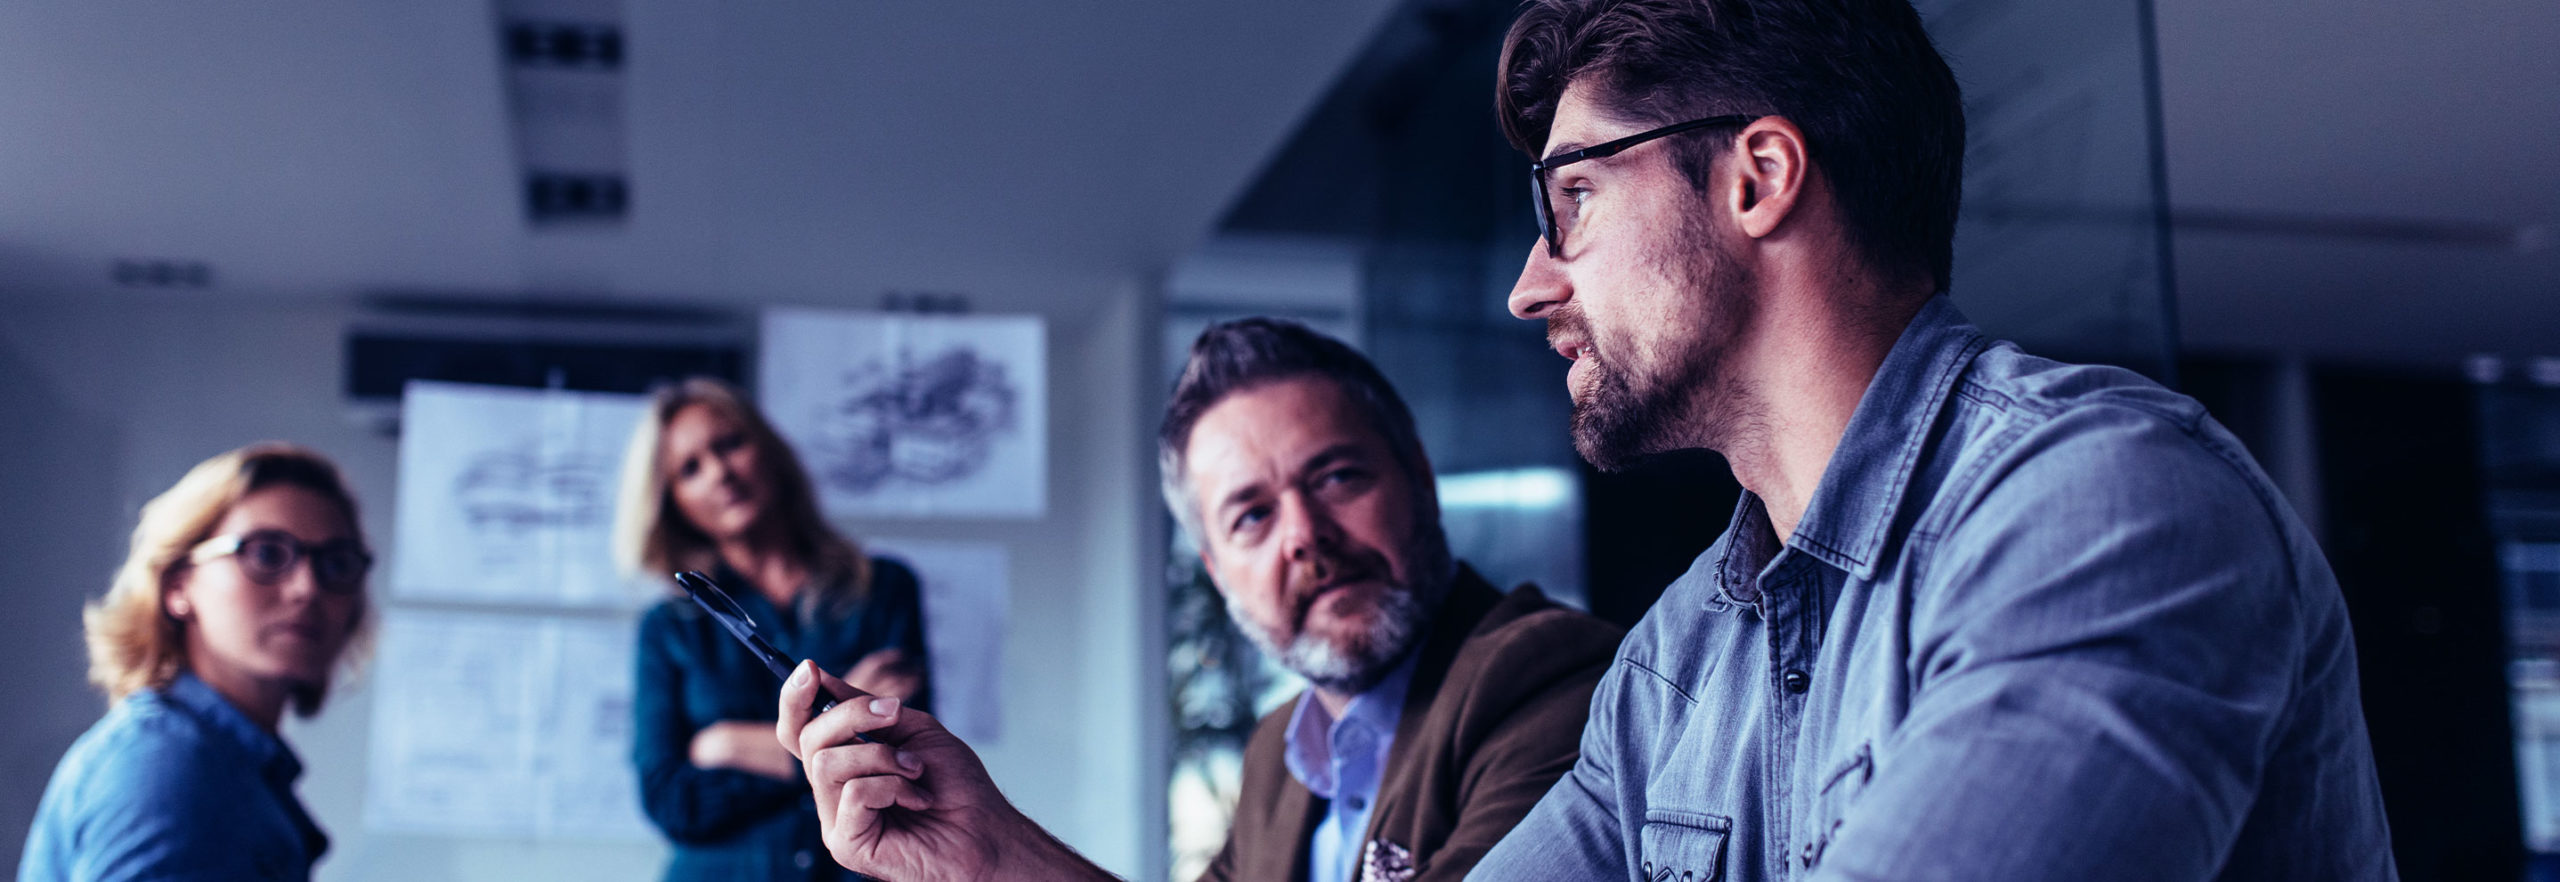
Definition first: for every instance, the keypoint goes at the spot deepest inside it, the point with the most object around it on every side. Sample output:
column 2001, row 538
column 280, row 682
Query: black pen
column 734, row 619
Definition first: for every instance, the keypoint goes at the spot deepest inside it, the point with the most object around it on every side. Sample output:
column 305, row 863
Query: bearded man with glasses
column 1979, row 615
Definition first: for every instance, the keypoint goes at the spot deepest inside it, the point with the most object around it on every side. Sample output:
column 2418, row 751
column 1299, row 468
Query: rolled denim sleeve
column 1573, row 832
column 2097, row 668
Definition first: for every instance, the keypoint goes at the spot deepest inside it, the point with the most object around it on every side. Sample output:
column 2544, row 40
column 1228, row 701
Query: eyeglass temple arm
column 1612, row 148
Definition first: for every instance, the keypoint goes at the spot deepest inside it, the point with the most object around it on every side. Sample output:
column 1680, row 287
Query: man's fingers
column 880, row 793
column 879, row 718
column 852, row 719
column 831, row 767
column 799, row 694
column 857, row 809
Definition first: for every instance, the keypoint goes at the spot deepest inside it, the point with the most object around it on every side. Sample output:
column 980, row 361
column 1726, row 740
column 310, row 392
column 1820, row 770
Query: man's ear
column 1769, row 175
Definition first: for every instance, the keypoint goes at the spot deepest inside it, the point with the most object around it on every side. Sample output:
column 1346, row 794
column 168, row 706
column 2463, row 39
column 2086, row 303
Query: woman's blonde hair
column 652, row 537
column 133, row 641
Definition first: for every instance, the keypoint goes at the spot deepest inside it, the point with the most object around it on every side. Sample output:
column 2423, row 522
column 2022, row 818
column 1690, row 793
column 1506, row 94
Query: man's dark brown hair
column 1877, row 104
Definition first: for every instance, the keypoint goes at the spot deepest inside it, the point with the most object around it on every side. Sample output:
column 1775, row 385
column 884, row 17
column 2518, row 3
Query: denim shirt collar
column 1854, row 507
column 221, row 720
column 1308, row 751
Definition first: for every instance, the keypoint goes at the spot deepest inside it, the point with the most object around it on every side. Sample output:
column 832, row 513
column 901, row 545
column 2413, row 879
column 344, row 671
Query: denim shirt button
column 1796, row 682
column 802, row 859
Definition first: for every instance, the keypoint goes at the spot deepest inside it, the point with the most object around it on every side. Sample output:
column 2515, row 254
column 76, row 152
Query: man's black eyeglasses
column 1540, row 182
column 268, row 557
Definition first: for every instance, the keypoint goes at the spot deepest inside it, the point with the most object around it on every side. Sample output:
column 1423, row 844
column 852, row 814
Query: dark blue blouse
column 727, row 824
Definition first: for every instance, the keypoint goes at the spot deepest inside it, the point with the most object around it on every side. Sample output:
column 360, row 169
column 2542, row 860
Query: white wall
column 106, row 404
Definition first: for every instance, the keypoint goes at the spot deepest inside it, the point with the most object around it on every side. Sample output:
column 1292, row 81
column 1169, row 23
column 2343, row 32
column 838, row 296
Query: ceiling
column 2343, row 166
column 1027, row 154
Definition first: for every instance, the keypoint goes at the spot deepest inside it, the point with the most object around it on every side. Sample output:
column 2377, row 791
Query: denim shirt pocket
column 1683, row 846
column 1841, row 787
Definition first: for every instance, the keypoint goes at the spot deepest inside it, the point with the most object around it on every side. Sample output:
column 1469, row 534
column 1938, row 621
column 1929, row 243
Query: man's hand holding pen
column 913, row 804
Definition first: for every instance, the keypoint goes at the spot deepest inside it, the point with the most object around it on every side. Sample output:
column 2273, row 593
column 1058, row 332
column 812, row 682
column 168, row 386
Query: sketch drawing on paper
column 906, row 416
column 930, row 421
column 506, row 495
column 516, row 488
column 525, row 504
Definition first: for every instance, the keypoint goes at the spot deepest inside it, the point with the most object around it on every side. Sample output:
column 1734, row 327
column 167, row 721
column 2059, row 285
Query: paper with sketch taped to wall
column 912, row 415
column 507, row 495
column 966, row 589
column 503, row 725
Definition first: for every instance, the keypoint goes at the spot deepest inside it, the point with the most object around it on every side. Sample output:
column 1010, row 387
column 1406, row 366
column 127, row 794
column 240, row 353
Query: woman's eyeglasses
column 268, row 557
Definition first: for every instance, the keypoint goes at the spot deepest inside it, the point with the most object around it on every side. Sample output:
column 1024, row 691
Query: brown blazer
column 1493, row 717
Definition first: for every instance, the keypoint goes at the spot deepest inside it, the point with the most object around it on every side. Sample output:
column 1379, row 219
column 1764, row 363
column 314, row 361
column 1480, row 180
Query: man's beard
column 1681, row 399
column 1360, row 660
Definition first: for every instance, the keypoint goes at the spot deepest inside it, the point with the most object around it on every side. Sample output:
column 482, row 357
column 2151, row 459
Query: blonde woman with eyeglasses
column 243, row 590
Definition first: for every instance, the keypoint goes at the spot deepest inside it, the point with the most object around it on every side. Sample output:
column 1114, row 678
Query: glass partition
column 2520, row 458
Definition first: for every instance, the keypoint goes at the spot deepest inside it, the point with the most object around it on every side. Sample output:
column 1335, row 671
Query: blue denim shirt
column 2039, row 621
column 173, row 784
column 1340, row 761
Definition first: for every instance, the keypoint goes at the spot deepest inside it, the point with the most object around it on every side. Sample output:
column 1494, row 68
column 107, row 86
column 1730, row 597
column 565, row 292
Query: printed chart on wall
column 912, row 415
column 503, row 725
column 506, row 495
column 965, row 592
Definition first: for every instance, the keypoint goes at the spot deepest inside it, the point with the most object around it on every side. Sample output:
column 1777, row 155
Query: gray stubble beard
column 1403, row 620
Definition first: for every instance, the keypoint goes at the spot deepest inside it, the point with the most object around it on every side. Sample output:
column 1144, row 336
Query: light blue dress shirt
column 1340, row 761
column 173, row 784
column 2039, row 621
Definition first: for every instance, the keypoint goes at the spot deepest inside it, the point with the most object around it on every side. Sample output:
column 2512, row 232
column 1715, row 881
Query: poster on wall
column 507, row 495
column 504, row 725
column 912, row 415
column 966, row 592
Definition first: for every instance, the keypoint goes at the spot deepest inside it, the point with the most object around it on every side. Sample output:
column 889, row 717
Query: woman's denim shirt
column 726, row 824
column 173, row 784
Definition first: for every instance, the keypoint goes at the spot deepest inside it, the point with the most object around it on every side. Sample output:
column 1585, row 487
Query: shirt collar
column 1310, row 736
column 199, row 700
column 1854, row 507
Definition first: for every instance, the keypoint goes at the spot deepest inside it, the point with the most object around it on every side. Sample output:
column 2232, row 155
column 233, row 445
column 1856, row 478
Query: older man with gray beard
column 1439, row 710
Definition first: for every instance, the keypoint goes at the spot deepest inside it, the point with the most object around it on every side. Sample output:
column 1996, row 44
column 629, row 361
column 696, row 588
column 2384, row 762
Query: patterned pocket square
column 1384, row 861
